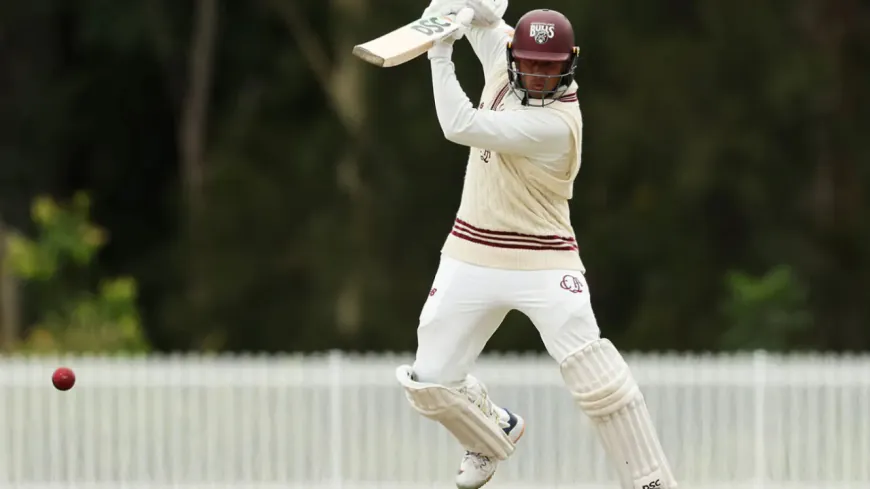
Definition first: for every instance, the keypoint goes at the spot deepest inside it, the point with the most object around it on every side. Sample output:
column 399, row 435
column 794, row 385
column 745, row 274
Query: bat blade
column 405, row 43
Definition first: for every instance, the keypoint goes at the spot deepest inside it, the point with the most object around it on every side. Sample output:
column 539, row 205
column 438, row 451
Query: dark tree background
column 270, row 192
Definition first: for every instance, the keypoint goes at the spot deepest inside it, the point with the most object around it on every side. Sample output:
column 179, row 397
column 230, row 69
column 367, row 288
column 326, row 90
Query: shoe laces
column 478, row 460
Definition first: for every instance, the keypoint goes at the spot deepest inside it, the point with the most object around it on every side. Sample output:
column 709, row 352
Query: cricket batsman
column 512, row 247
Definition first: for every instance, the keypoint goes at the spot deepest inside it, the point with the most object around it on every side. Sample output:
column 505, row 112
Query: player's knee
column 437, row 372
column 600, row 380
column 429, row 373
column 439, row 366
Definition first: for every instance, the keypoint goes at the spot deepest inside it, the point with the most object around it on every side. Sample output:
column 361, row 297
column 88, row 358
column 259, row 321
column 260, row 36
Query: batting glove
column 444, row 47
column 487, row 13
column 443, row 8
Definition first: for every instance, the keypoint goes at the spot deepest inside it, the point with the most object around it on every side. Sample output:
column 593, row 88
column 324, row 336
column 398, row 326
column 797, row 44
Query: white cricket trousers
column 467, row 303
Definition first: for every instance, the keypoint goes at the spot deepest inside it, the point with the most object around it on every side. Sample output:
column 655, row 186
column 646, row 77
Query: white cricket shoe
column 475, row 470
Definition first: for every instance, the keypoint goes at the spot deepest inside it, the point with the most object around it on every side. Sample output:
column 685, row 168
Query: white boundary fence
column 341, row 421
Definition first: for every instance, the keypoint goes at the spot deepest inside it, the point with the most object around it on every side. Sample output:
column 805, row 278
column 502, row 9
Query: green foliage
column 768, row 312
column 717, row 136
column 65, row 237
column 74, row 320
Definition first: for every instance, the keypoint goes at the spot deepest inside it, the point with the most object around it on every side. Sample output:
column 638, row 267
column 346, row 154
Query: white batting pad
column 602, row 385
column 466, row 412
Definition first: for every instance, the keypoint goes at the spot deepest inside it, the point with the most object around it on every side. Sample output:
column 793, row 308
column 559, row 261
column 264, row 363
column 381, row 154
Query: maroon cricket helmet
column 547, row 36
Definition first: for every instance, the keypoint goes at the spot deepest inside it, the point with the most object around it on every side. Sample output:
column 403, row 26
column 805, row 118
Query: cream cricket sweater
column 521, row 168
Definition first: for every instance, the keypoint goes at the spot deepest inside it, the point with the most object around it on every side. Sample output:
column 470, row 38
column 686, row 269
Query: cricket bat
column 407, row 42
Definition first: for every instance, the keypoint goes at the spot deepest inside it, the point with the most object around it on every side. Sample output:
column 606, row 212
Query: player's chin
column 539, row 93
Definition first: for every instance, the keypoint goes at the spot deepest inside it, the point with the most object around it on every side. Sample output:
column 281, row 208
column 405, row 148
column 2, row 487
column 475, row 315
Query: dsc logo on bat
column 432, row 25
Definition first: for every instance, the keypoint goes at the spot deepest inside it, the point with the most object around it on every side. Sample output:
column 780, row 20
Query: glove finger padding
column 442, row 8
column 487, row 13
column 464, row 17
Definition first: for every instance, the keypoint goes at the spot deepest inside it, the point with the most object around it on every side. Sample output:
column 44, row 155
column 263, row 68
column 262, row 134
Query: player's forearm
column 460, row 121
column 516, row 132
column 453, row 107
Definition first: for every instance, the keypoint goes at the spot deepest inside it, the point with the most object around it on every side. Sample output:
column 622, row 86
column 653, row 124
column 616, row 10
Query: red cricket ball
column 63, row 379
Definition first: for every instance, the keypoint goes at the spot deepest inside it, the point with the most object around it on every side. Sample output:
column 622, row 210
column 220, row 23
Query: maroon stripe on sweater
column 513, row 246
column 499, row 97
column 490, row 233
